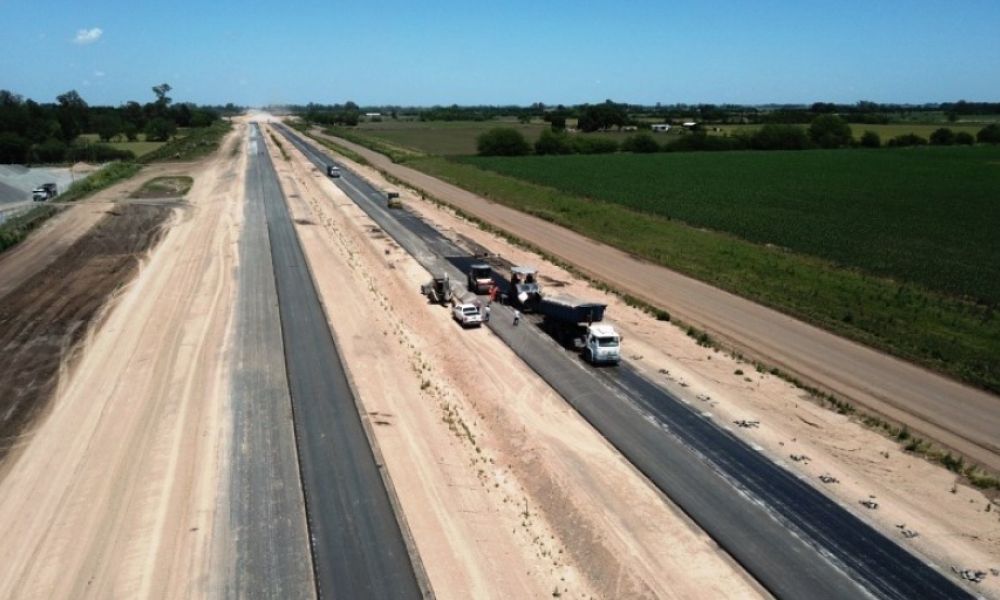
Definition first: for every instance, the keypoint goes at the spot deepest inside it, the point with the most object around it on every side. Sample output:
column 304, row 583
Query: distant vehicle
column 524, row 290
column 392, row 200
column 467, row 314
column 576, row 325
column 480, row 278
column 44, row 192
column 333, row 171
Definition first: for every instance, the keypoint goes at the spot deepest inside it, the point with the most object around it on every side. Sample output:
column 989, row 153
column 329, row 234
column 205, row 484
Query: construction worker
column 517, row 317
column 486, row 314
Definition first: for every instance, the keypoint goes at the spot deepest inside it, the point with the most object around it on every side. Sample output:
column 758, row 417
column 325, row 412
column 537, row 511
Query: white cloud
column 98, row 73
column 88, row 36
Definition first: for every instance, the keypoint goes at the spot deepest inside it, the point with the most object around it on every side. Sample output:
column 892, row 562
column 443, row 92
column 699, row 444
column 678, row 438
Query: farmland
column 780, row 228
column 442, row 138
column 885, row 131
column 927, row 216
column 138, row 147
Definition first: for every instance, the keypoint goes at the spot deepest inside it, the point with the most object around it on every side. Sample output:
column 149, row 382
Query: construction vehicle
column 438, row 289
column 524, row 291
column 480, row 278
column 333, row 171
column 44, row 192
column 575, row 324
column 392, row 200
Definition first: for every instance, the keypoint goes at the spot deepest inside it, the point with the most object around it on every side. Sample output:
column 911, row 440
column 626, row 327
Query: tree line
column 32, row 132
column 825, row 131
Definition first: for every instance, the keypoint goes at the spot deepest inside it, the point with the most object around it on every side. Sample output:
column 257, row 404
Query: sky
column 258, row 53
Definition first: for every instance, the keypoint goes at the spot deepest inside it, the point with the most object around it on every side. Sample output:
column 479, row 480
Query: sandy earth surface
column 507, row 491
column 115, row 496
column 956, row 525
column 955, row 415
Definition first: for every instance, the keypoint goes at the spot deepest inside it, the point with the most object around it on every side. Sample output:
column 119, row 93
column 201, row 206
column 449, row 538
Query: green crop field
column 442, row 138
column 927, row 215
column 884, row 246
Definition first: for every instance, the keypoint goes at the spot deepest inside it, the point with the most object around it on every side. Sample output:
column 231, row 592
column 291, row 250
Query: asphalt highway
column 357, row 544
column 793, row 539
column 267, row 511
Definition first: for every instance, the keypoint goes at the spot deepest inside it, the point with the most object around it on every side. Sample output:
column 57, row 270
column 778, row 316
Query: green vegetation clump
column 196, row 144
column 15, row 229
column 502, row 141
column 989, row 134
column 396, row 153
column 939, row 330
column 106, row 176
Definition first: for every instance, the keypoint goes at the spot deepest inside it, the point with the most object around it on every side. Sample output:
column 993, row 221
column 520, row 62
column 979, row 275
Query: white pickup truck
column 467, row 314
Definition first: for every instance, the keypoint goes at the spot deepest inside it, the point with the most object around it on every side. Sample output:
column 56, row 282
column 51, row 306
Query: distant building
column 690, row 124
column 660, row 127
column 373, row 115
column 630, row 128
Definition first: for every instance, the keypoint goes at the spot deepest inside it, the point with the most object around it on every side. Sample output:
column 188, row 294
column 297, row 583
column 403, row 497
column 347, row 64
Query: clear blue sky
column 513, row 51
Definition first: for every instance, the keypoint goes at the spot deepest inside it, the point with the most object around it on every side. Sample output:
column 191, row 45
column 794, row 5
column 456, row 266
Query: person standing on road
column 517, row 317
column 486, row 313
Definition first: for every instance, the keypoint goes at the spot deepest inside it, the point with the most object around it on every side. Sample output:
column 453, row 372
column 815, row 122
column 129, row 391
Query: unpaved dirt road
column 958, row 416
column 115, row 493
column 508, row 491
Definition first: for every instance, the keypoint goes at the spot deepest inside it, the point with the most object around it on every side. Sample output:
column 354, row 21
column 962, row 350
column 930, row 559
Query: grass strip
column 104, row 177
column 15, row 229
column 199, row 142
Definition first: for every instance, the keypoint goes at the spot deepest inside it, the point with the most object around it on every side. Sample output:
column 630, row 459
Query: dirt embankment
column 46, row 316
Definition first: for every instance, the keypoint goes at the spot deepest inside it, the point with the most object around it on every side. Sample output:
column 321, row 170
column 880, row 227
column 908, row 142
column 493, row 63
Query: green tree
column 550, row 142
column 50, row 151
column 870, row 139
column 641, row 143
column 989, row 134
column 830, row 131
column 964, row 138
column 502, row 141
column 13, row 148
column 72, row 113
column 778, row 136
column 107, row 126
column 907, row 139
column 131, row 131
column 602, row 116
column 942, row 137
column 160, row 129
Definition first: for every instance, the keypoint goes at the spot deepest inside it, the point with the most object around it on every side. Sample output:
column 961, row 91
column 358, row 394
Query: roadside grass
column 280, row 146
column 106, row 176
column 139, row 148
column 15, row 229
column 197, row 143
column 165, row 187
column 943, row 332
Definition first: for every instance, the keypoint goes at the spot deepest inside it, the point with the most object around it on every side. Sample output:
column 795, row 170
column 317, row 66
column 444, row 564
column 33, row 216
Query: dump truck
column 524, row 291
column 576, row 324
column 392, row 200
column 438, row 289
column 480, row 278
column 44, row 192
column 333, row 171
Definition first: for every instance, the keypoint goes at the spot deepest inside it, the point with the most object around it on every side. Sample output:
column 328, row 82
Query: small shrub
column 662, row 315
column 502, row 141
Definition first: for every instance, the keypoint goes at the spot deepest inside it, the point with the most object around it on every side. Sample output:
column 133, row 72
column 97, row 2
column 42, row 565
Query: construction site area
column 283, row 371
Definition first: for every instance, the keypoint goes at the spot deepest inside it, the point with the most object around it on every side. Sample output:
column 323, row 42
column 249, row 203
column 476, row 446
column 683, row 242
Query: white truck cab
column 467, row 314
column 602, row 345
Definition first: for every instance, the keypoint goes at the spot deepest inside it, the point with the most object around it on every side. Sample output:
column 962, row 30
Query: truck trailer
column 575, row 324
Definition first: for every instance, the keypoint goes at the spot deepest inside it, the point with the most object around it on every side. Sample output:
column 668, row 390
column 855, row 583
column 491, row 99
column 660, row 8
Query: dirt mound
column 46, row 316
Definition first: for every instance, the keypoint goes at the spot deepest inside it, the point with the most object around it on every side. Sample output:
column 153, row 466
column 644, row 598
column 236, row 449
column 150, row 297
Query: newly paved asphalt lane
column 358, row 547
column 793, row 539
column 270, row 540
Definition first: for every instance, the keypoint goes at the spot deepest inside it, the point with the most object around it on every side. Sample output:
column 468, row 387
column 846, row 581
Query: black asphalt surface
column 267, row 514
column 793, row 539
column 358, row 547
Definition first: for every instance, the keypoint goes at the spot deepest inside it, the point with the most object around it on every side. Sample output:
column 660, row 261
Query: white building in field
column 660, row 127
